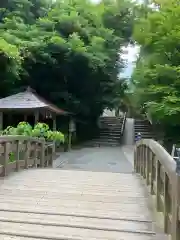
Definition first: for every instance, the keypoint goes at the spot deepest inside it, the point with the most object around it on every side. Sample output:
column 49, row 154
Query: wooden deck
column 73, row 205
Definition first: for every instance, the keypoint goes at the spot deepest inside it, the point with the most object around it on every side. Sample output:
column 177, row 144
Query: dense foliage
column 68, row 51
column 40, row 130
column 156, row 79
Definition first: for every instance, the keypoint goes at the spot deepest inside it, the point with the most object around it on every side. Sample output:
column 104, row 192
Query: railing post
column 6, row 158
column 42, row 154
column 175, row 226
column 152, row 173
column 138, row 159
column 144, row 161
column 141, row 159
column 50, row 156
column 27, row 149
column 166, row 203
column 148, row 159
column 135, row 159
column 34, row 153
column 17, row 155
column 158, row 184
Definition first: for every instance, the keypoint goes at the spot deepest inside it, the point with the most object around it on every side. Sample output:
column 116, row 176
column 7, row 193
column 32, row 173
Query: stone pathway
column 103, row 159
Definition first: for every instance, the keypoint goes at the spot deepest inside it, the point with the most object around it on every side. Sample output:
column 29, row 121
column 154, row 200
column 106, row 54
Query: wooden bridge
column 41, row 202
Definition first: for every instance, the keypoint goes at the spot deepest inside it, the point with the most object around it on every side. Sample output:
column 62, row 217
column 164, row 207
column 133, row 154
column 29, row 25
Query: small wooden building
column 28, row 106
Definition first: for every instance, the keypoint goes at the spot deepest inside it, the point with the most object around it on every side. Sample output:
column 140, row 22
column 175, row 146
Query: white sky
column 130, row 56
column 131, row 53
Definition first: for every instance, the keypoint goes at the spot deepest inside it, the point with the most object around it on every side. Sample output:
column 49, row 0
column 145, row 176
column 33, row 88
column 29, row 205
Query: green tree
column 157, row 75
column 69, row 51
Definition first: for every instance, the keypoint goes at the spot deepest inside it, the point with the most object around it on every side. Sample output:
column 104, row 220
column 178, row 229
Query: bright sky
column 130, row 55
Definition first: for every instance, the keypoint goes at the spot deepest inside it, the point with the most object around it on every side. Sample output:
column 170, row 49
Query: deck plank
column 75, row 205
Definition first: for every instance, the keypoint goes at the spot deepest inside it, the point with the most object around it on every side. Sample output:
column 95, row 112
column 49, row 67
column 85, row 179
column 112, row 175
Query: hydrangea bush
column 40, row 130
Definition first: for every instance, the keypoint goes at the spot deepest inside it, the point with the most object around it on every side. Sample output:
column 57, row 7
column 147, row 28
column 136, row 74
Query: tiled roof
column 27, row 100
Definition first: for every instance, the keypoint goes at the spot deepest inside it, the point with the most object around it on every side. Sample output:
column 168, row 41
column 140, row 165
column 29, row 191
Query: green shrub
column 40, row 130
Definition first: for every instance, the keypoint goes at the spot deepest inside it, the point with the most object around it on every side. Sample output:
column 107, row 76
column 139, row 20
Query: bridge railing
column 21, row 152
column 162, row 175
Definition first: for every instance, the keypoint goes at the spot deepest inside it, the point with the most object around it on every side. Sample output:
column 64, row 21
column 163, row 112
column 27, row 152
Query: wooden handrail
column 5, row 138
column 22, row 152
column 159, row 170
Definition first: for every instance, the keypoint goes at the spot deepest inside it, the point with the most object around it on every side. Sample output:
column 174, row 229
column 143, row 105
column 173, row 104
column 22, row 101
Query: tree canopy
column 68, row 51
column 156, row 78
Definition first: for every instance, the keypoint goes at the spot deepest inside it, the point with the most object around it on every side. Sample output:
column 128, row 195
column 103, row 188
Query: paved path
column 93, row 197
column 128, row 136
column 103, row 159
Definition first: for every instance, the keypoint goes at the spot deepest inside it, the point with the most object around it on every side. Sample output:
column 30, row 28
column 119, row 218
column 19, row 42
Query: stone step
column 142, row 129
column 142, row 126
column 108, row 122
column 111, row 127
column 144, row 133
column 111, row 118
column 141, row 121
column 104, row 144
column 110, row 137
column 110, row 132
column 118, row 123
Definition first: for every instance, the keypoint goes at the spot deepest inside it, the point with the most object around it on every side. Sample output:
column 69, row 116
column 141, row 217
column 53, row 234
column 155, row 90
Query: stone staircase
column 110, row 132
column 143, row 127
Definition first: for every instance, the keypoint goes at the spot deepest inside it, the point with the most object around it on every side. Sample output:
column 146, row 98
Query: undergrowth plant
column 40, row 130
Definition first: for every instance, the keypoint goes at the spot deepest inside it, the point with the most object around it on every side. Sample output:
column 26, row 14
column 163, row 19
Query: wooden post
column 54, row 129
column 166, row 203
column 6, row 158
column 153, row 159
column 70, row 133
column 17, row 155
column 27, row 153
column 35, row 146
column 50, row 151
column 144, row 161
column 148, row 161
column 158, row 185
column 36, row 117
column 10, row 117
column 138, row 160
column 54, row 122
column 42, row 156
column 1, row 121
column 135, row 160
column 175, row 225
column 25, row 117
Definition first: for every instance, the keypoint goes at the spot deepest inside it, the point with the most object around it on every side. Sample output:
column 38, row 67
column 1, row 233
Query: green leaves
column 40, row 130
column 69, row 51
column 157, row 75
